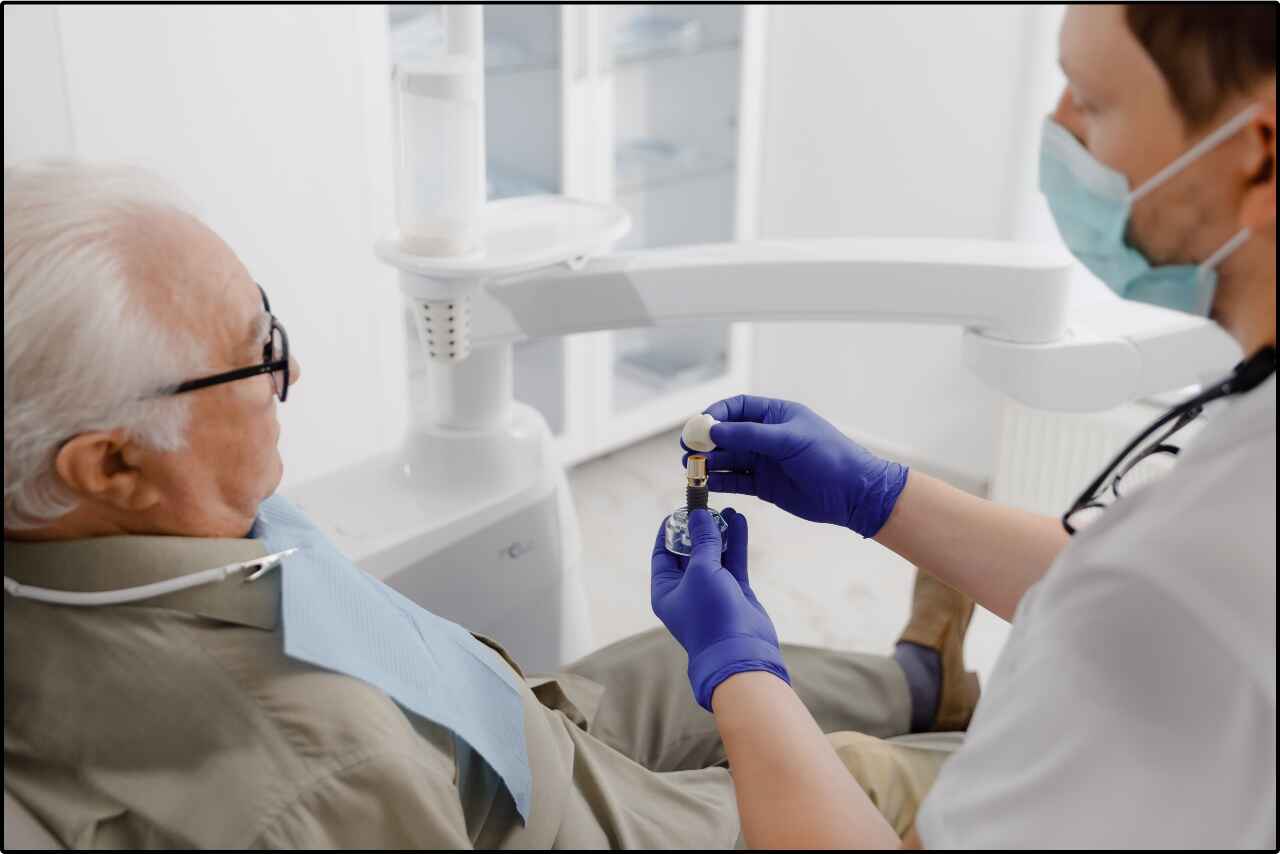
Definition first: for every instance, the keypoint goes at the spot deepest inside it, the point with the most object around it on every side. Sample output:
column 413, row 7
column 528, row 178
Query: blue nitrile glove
column 788, row 455
column 710, row 608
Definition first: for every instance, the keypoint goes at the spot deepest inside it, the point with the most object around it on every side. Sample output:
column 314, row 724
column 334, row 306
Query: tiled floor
column 821, row 584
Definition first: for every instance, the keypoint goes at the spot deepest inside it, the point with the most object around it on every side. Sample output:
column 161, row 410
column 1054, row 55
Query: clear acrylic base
column 676, row 532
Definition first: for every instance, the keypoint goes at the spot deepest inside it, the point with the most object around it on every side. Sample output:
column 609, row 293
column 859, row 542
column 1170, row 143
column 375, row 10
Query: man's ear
column 104, row 467
column 1259, row 212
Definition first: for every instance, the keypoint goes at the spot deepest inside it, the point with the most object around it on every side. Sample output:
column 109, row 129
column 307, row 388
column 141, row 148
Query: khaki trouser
column 896, row 773
column 647, row 712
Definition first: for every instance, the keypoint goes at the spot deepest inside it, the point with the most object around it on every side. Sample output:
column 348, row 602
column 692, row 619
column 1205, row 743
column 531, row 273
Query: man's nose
column 295, row 370
column 1064, row 113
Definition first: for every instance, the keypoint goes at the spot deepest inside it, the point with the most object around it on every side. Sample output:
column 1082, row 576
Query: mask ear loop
column 1223, row 251
column 1228, row 130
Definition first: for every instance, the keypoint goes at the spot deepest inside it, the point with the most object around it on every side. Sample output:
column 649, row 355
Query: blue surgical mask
column 1092, row 203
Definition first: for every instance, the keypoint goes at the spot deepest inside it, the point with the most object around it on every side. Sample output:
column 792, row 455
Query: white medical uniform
column 1135, row 702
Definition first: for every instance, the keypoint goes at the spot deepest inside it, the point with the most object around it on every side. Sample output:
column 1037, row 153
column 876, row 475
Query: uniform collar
column 111, row 563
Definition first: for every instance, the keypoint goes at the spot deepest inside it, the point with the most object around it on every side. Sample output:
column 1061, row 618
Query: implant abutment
column 696, row 482
column 676, row 534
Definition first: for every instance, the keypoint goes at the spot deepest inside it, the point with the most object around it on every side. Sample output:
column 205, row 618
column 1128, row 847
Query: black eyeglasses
column 1246, row 376
column 275, row 361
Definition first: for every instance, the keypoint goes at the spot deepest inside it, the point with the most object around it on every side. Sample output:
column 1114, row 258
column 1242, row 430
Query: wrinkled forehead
column 190, row 279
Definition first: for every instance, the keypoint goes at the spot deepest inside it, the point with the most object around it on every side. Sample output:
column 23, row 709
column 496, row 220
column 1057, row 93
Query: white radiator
column 1044, row 459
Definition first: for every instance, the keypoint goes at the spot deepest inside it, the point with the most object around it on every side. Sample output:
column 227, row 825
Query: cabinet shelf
column 660, row 371
column 684, row 177
column 648, row 163
column 504, row 56
column 505, row 184
column 521, row 68
column 658, row 54
column 419, row 36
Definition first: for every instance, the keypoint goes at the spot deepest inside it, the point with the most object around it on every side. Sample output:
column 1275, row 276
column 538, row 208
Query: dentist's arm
column 792, row 789
column 992, row 552
column 784, row 453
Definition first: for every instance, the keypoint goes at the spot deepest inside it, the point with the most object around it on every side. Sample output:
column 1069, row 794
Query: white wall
column 894, row 121
column 273, row 120
column 35, row 97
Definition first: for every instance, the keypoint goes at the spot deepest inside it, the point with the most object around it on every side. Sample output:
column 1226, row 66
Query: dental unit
column 471, row 515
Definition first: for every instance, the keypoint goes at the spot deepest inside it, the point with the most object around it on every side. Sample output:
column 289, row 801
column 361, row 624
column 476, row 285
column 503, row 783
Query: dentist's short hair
column 1207, row 52
column 81, row 349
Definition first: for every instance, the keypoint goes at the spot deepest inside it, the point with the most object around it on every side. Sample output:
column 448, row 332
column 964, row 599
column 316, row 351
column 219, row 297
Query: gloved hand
column 788, row 455
column 710, row 608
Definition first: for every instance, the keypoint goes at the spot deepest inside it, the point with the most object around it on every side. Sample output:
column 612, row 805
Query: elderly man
column 142, row 370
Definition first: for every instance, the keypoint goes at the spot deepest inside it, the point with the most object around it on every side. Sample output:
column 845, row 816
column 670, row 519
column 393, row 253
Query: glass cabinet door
column 640, row 105
column 676, row 73
column 523, row 130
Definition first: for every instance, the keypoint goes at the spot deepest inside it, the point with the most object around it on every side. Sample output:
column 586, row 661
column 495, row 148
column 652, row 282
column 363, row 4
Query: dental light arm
column 1006, row 291
column 1022, row 335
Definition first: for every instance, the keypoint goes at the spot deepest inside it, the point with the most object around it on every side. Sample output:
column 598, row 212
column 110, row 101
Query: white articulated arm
column 1113, row 351
column 1022, row 333
column 1011, row 292
column 1022, row 336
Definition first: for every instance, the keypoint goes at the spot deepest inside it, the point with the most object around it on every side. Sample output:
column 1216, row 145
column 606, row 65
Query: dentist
column 1135, row 702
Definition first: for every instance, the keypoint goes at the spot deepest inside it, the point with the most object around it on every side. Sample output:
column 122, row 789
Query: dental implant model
column 676, row 533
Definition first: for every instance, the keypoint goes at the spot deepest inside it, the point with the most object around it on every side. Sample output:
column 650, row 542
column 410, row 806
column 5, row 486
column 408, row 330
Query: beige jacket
column 179, row 722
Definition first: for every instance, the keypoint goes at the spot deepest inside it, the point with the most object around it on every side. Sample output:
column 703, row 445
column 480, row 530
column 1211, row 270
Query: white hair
column 82, row 351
